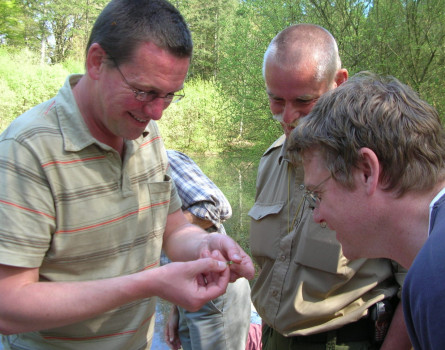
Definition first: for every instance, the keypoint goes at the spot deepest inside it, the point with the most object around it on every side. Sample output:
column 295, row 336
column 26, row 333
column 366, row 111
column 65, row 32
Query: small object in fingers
column 230, row 262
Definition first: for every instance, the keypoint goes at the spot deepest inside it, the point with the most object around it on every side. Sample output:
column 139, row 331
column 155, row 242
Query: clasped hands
column 191, row 284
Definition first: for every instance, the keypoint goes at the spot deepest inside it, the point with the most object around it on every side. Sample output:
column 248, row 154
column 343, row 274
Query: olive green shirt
column 305, row 284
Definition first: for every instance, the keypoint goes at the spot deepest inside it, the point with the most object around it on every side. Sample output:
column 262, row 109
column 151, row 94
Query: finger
column 245, row 268
column 206, row 269
column 209, row 278
column 238, row 268
column 229, row 249
column 216, row 254
column 217, row 278
column 205, row 254
column 167, row 338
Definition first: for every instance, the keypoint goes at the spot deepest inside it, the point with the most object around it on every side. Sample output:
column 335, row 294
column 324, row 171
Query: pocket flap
column 261, row 210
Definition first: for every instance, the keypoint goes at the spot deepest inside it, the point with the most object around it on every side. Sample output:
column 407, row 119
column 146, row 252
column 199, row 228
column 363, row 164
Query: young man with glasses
column 308, row 294
column 385, row 193
column 88, row 202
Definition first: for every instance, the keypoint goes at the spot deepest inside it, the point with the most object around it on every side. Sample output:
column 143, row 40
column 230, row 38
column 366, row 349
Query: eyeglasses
column 312, row 196
column 149, row 96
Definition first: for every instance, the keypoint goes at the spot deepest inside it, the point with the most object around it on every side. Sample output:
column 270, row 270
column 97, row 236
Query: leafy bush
column 24, row 82
column 74, row 66
column 7, row 104
column 200, row 122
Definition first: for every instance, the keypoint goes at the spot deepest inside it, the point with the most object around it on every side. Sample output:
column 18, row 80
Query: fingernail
column 236, row 257
column 222, row 264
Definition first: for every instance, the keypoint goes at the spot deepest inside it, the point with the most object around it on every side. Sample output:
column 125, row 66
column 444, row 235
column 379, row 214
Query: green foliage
column 200, row 122
column 7, row 104
column 73, row 66
column 209, row 22
column 11, row 21
column 241, row 76
column 25, row 83
column 228, row 108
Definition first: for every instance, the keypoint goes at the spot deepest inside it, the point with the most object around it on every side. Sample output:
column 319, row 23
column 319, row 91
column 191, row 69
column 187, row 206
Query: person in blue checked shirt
column 222, row 323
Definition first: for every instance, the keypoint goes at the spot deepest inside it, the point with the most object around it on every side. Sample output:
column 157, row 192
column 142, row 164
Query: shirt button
column 283, row 257
column 274, row 293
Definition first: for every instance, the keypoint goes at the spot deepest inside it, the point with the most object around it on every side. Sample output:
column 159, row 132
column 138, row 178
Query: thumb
column 212, row 274
column 208, row 265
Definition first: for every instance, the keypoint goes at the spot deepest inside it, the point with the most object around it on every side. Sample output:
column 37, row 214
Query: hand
column 192, row 284
column 224, row 248
column 171, row 335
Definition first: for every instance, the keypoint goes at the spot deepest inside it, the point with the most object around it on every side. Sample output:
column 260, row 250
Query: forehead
column 291, row 83
column 153, row 66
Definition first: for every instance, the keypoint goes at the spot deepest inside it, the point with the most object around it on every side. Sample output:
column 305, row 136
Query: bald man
column 309, row 295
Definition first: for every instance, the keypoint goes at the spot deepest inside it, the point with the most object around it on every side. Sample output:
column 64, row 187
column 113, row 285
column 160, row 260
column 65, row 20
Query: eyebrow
column 300, row 98
column 155, row 89
column 151, row 88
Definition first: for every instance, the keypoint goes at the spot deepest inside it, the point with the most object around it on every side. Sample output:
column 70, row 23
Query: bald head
column 305, row 47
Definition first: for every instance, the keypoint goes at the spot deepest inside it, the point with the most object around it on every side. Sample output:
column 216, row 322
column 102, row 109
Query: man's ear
column 369, row 170
column 95, row 59
column 340, row 77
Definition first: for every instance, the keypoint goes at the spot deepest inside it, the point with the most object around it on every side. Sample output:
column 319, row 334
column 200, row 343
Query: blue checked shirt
column 198, row 193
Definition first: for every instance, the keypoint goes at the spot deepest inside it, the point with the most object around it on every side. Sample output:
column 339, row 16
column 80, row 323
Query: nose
column 155, row 108
column 291, row 113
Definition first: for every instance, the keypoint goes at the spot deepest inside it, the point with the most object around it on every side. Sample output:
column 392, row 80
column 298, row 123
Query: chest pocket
column 159, row 194
column 266, row 229
column 318, row 248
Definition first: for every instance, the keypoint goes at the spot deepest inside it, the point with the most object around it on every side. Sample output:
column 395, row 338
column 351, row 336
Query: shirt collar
column 283, row 152
column 433, row 203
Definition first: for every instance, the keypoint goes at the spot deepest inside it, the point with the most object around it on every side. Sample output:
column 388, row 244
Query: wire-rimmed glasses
column 149, row 96
column 312, row 196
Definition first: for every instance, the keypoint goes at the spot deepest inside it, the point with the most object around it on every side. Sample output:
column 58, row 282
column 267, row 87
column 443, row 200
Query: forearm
column 42, row 305
column 182, row 240
column 28, row 305
column 186, row 243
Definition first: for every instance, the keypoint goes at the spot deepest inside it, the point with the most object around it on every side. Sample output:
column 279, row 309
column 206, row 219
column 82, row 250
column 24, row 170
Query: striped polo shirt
column 72, row 207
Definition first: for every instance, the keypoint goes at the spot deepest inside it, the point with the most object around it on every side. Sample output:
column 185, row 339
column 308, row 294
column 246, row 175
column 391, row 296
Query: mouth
column 142, row 121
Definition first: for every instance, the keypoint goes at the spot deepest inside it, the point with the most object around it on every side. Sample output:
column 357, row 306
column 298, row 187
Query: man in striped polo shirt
column 87, row 202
